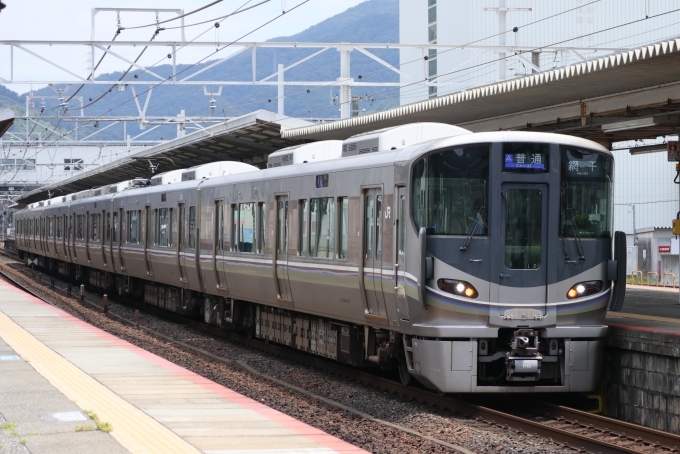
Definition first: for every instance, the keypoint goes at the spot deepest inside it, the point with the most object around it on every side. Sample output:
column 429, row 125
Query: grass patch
column 84, row 428
column 8, row 425
column 103, row 426
column 23, row 441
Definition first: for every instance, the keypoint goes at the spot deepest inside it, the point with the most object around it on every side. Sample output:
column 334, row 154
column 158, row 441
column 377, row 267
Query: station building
column 645, row 203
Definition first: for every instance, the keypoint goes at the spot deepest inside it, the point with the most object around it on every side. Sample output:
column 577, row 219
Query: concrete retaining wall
column 642, row 372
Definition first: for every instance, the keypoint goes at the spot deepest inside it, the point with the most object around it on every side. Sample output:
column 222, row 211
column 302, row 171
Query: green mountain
column 370, row 21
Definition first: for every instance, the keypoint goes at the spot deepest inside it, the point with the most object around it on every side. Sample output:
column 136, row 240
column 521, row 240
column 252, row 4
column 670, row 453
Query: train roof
column 376, row 159
column 389, row 157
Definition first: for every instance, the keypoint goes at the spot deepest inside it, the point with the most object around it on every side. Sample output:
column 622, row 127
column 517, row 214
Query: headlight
column 584, row 289
column 456, row 287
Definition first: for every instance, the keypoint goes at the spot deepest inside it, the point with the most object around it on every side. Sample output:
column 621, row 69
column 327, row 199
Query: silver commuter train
column 510, row 232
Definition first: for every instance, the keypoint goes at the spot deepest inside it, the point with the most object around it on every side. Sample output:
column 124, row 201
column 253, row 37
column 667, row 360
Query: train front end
column 513, row 240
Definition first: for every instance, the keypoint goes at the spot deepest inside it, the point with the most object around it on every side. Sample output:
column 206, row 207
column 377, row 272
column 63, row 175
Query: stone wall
column 642, row 371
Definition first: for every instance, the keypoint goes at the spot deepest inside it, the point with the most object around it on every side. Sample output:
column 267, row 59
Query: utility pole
column 345, row 88
column 281, row 91
column 502, row 11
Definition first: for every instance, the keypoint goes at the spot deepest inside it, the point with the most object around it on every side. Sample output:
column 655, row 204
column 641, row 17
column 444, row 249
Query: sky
column 71, row 20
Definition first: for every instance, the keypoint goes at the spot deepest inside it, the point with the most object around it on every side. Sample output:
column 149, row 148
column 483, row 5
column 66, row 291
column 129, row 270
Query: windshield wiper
column 579, row 247
column 478, row 218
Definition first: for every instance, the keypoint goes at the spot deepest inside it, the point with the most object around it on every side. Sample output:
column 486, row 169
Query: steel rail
column 665, row 440
column 633, row 435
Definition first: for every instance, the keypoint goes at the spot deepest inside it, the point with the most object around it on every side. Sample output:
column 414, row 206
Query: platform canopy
column 630, row 95
column 250, row 138
column 6, row 120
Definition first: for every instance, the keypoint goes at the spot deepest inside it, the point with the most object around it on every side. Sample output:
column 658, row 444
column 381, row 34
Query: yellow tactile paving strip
column 153, row 405
column 133, row 429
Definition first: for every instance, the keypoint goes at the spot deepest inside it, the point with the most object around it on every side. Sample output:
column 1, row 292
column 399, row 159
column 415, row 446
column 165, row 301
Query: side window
column 343, row 225
column 219, row 226
column 108, row 227
column 246, row 227
column 192, row 227
column 322, row 228
column 94, row 227
column 114, row 228
column 80, row 228
column 261, row 227
column 133, row 227
column 163, row 226
column 155, row 228
column 234, row 228
column 302, row 223
column 180, row 226
column 51, row 228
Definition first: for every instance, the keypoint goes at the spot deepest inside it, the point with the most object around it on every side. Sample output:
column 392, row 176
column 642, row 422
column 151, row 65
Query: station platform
column 648, row 309
column 54, row 368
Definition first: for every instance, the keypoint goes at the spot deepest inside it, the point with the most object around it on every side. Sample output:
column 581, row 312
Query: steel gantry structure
column 345, row 80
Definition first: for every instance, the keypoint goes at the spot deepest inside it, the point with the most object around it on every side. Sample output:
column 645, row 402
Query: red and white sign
column 672, row 147
column 665, row 249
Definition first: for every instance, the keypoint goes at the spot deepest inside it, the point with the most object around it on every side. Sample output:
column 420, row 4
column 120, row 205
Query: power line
column 101, row 96
column 529, row 51
column 216, row 18
column 187, row 68
column 399, row 65
column 174, row 18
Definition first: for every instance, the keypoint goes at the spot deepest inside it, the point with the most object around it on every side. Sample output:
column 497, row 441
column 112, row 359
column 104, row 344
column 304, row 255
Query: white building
column 540, row 23
column 645, row 203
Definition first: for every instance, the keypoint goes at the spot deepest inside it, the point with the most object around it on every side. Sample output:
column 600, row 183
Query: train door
column 523, row 263
column 373, row 232
column 181, row 243
column 281, row 263
column 400, row 254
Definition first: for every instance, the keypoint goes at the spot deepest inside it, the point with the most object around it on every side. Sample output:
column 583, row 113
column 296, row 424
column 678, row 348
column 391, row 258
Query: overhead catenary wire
column 419, row 60
column 242, row 9
column 110, row 89
column 217, row 18
column 93, row 70
column 185, row 69
column 375, row 94
column 155, row 24
column 514, row 29
column 102, row 95
column 393, row 89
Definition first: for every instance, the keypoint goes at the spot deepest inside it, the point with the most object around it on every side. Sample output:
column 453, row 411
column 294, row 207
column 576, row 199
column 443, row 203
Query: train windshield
column 450, row 191
column 586, row 193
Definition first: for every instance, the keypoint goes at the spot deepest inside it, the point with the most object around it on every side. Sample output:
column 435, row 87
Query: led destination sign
column 521, row 161
column 525, row 162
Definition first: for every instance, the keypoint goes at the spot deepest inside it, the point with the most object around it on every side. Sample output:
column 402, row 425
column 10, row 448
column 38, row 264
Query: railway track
column 566, row 427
